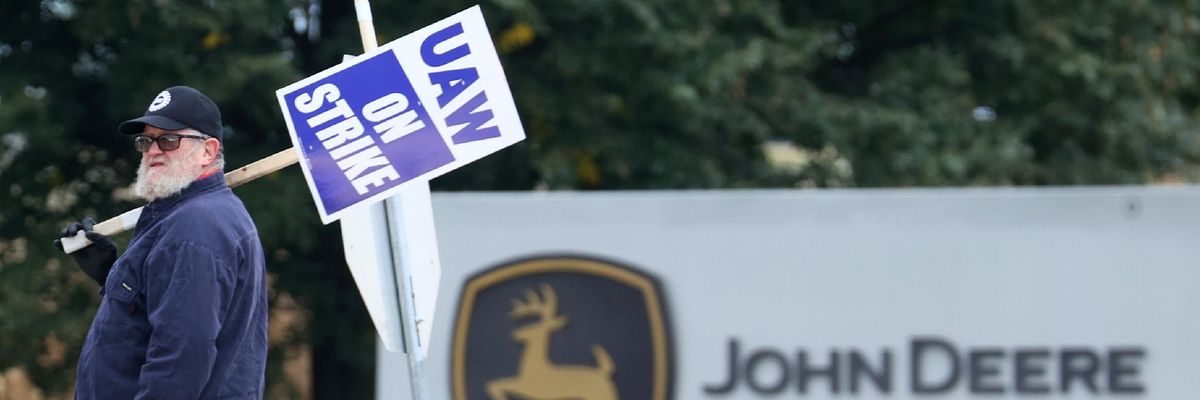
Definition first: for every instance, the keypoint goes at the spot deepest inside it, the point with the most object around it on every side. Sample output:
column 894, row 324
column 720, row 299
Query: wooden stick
column 234, row 178
column 366, row 25
column 261, row 168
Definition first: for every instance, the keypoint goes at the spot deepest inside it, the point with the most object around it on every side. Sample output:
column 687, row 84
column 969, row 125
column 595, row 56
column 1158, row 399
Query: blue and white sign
column 411, row 110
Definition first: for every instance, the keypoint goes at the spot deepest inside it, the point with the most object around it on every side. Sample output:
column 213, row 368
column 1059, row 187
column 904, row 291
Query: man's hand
column 94, row 260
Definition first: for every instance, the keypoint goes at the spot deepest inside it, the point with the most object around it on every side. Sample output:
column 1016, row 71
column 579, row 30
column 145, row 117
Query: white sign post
column 378, row 128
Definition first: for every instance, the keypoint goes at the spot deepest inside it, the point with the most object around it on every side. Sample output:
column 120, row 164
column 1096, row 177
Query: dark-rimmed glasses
column 166, row 142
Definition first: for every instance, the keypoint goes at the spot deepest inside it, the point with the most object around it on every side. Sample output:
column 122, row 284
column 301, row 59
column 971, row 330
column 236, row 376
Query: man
column 183, row 312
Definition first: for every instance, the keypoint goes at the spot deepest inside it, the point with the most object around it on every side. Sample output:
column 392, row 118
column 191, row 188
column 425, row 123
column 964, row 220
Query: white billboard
column 1080, row 293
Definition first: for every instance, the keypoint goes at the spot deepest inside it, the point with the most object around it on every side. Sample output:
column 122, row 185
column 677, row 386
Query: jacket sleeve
column 187, row 287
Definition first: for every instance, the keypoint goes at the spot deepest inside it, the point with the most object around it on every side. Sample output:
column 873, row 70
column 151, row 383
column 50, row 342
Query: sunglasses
column 166, row 142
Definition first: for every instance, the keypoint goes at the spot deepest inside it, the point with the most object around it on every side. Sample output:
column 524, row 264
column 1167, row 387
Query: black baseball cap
column 178, row 107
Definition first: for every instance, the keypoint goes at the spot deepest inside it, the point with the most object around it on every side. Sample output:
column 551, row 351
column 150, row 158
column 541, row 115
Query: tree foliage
column 614, row 94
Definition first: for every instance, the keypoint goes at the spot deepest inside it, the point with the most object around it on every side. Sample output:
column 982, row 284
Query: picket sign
column 377, row 128
column 406, row 112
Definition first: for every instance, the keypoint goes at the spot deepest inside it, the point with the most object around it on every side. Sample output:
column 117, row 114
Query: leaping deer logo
column 537, row 378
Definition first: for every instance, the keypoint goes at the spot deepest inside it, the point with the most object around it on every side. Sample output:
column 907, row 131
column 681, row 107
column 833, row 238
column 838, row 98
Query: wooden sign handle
column 234, row 178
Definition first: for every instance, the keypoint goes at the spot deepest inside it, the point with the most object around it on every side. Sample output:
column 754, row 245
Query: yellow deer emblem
column 537, row 378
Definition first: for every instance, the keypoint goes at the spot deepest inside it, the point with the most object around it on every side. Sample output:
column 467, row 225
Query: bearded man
column 183, row 312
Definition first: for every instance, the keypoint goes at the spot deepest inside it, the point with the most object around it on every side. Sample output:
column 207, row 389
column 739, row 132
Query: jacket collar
column 208, row 183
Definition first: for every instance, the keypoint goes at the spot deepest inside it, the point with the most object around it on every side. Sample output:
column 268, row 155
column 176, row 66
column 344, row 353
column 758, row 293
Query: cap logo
column 160, row 101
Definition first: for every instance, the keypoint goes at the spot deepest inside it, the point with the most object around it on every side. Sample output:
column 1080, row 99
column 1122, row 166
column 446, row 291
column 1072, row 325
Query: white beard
column 168, row 180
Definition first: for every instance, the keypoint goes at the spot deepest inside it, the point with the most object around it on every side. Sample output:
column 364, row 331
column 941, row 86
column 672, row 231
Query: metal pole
column 397, row 230
column 402, row 258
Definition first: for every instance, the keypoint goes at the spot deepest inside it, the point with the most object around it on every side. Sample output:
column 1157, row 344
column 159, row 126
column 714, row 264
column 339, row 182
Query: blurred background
column 613, row 94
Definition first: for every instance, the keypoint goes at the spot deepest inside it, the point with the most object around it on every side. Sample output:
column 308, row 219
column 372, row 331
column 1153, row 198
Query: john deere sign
column 883, row 294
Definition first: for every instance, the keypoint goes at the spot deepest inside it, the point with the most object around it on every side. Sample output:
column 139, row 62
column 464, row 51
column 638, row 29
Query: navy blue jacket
column 183, row 313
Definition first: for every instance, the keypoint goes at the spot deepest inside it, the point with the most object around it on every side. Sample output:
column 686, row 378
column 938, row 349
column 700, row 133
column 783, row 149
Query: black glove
column 94, row 260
